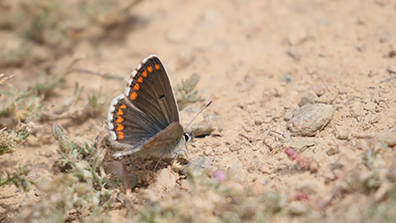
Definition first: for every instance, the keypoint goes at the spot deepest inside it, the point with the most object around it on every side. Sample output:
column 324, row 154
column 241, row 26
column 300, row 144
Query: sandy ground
column 258, row 60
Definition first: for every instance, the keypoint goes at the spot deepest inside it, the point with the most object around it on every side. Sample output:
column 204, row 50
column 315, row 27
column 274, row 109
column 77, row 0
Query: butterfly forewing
column 150, row 91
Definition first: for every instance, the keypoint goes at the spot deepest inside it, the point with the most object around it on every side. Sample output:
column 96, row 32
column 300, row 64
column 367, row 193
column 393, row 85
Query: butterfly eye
column 188, row 136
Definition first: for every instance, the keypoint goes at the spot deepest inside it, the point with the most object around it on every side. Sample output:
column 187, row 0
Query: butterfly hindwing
column 167, row 139
column 128, row 125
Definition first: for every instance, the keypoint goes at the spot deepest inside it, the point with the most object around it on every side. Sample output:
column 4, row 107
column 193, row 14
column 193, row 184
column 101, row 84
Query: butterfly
column 144, row 120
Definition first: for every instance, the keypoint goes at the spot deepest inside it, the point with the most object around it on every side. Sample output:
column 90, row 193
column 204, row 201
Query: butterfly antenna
column 207, row 105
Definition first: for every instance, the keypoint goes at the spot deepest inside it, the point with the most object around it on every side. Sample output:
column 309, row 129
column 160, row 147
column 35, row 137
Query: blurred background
column 62, row 62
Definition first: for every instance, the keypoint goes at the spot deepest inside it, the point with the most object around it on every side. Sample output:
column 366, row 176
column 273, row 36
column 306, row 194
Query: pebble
column 309, row 119
column 288, row 116
column 366, row 100
column 302, row 145
column 356, row 109
column 258, row 122
column 201, row 162
column 268, row 141
column 235, row 147
column 340, row 133
column 166, row 178
column 208, row 151
column 296, row 37
column 318, row 89
column 256, row 146
column 391, row 69
column 388, row 137
column 201, row 129
column 376, row 96
column 309, row 97
column 265, row 168
column 296, row 53
column 237, row 173
column 277, row 112
column 327, row 98
column 385, row 37
column 370, row 106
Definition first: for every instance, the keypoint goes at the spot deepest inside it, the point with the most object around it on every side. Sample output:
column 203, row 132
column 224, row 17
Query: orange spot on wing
column 150, row 69
column 120, row 112
column 121, row 135
column 144, row 74
column 140, row 79
column 119, row 127
column 119, row 119
column 123, row 106
column 136, row 87
column 157, row 66
column 133, row 95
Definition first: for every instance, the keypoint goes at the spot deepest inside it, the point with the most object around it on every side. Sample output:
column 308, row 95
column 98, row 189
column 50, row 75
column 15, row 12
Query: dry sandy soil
column 260, row 62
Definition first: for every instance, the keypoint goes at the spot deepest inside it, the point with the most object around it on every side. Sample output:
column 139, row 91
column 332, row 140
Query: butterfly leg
column 127, row 181
column 185, row 151
column 178, row 153
column 156, row 165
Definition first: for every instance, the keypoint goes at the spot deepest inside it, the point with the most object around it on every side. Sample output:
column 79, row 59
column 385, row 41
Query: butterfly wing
column 147, row 106
column 167, row 140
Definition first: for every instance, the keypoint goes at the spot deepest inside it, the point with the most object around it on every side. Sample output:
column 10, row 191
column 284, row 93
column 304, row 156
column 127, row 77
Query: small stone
column 166, row 178
column 309, row 119
column 235, row 147
column 318, row 89
column 327, row 98
column 302, row 145
column 256, row 146
column 265, row 168
column 288, row 116
column 388, row 137
column 258, row 122
column 356, row 109
column 267, row 120
column 391, row 69
column 340, row 133
column 295, row 53
column 201, row 162
column 385, row 37
column 333, row 150
column 237, row 173
column 309, row 97
column 208, row 151
column 370, row 106
column 297, row 36
column 268, row 141
column 366, row 100
column 376, row 96
column 201, row 129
